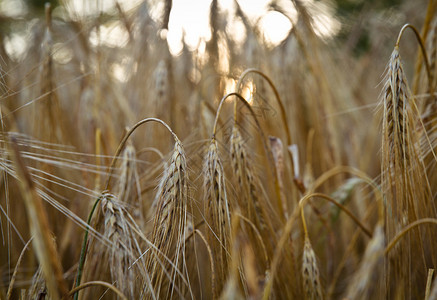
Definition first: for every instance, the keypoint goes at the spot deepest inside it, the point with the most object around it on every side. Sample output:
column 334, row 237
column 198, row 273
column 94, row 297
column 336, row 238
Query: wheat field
column 237, row 169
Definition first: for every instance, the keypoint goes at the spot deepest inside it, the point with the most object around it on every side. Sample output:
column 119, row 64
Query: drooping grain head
column 395, row 98
column 395, row 139
column 170, row 223
column 240, row 167
column 310, row 273
column 161, row 87
column 215, row 187
column 172, row 199
column 217, row 209
column 51, row 126
column 113, row 253
column 128, row 176
column 121, row 255
column 249, row 199
column 278, row 156
column 403, row 173
column 405, row 183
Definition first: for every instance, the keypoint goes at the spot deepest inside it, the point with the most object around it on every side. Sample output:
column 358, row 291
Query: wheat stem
column 222, row 101
column 396, row 239
column 97, row 283
column 284, row 237
column 124, row 140
column 48, row 14
column 14, row 275
column 429, row 283
column 304, row 224
column 275, row 91
column 211, row 259
column 343, row 208
column 430, row 11
column 423, row 49
column 257, row 234
column 276, row 258
column 353, row 171
column 282, row 112
column 84, row 245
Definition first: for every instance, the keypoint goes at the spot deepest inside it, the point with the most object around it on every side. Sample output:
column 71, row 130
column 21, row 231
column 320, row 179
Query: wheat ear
column 108, row 185
column 246, row 180
column 121, row 252
column 310, row 270
column 310, row 273
column 217, row 210
column 168, row 234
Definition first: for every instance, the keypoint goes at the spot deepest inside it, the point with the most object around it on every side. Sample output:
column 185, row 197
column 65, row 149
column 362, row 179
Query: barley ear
column 122, row 253
column 217, row 210
column 250, row 202
column 310, row 272
column 168, row 234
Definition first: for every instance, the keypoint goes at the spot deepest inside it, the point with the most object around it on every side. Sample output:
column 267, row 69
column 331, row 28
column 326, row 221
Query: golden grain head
column 216, row 197
column 128, row 171
column 121, row 254
column 396, row 100
column 170, row 223
column 310, row 272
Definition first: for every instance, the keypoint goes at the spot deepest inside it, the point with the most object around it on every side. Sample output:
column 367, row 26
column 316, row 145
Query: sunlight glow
column 62, row 54
column 15, row 45
column 112, row 35
column 84, row 8
column 254, row 8
column 189, row 23
column 275, row 27
column 12, row 8
column 122, row 71
column 189, row 20
column 324, row 23
column 230, row 85
column 247, row 92
column 326, row 26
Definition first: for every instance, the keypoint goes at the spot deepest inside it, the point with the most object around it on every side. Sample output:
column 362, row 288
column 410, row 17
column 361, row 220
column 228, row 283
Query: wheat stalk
column 433, row 292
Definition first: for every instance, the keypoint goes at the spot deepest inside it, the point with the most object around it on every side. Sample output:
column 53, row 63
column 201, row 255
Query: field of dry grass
column 243, row 170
